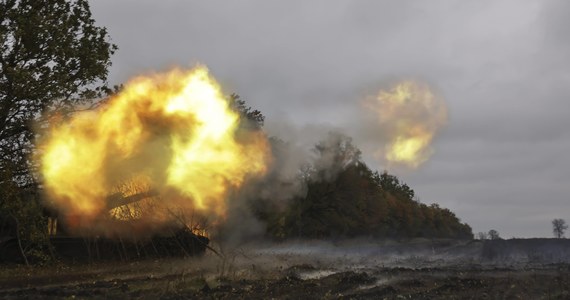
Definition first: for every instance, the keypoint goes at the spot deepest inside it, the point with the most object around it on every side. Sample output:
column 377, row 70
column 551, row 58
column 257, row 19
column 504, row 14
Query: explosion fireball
column 174, row 133
column 410, row 115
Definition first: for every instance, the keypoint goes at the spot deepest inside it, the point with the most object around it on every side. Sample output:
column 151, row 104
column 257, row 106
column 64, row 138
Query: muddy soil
column 313, row 271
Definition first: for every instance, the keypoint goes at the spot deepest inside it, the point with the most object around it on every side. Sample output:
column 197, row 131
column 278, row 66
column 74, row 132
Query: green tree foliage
column 21, row 210
column 52, row 58
column 355, row 201
column 250, row 119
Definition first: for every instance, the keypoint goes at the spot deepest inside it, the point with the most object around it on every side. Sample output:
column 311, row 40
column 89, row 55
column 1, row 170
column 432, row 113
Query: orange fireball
column 176, row 130
column 409, row 115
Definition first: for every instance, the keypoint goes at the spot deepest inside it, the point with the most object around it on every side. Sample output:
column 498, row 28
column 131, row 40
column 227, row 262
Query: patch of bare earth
column 547, row 282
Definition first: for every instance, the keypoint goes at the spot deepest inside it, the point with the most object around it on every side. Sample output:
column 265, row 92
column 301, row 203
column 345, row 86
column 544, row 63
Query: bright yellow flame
column 410, row 115
column 407, row 149
column 175, row 130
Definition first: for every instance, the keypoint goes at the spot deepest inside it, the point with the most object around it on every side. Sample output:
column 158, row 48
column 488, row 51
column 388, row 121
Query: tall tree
column 559, row 227
column 494, row 235
column 52, row 57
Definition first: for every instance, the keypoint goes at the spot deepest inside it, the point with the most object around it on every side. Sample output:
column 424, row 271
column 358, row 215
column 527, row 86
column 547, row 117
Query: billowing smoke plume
column 293, row 168
column 408, row 115
column 406, row 119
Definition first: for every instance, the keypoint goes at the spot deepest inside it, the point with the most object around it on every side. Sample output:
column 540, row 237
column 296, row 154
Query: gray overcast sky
column 503, row 67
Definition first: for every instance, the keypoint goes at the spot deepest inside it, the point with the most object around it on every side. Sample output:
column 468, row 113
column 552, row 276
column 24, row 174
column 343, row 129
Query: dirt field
column 348, row 270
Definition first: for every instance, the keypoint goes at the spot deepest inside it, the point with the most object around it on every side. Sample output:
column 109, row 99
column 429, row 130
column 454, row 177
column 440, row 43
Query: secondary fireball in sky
column 409, row 115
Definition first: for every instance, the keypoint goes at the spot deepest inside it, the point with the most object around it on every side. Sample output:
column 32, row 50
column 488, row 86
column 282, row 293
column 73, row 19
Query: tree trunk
column 19, row 240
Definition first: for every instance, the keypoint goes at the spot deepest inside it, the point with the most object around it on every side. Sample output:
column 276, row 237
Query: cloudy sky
column 502, row 162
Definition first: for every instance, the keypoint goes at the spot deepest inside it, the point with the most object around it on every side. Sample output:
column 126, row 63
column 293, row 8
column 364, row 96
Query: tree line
column 348, row 199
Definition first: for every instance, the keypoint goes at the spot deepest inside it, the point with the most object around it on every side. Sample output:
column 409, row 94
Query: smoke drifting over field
column 311, row 259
